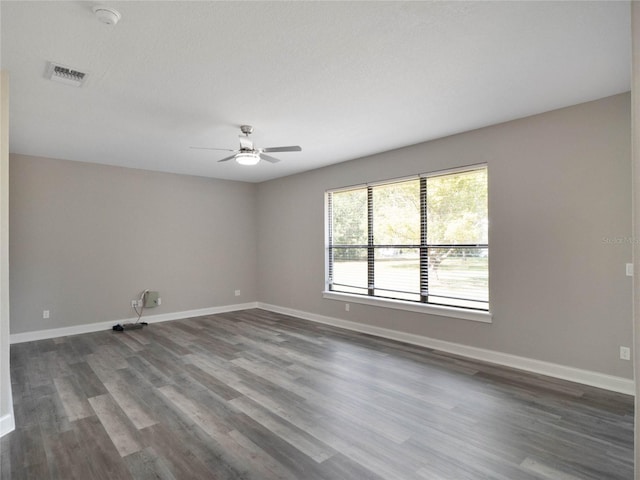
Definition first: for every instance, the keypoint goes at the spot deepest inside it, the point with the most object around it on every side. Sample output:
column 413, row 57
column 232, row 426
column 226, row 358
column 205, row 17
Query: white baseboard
column 586, row 377
column 7, row 423
column 96, row 327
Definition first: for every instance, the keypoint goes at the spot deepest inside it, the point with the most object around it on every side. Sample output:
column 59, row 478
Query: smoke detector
column 63, row 74
column 107, row 15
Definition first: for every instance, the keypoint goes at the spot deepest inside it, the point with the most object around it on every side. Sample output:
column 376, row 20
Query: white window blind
column 423, row 239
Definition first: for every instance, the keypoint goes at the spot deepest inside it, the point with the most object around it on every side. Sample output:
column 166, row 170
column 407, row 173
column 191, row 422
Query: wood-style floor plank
column 120, row 430
column 256, row 395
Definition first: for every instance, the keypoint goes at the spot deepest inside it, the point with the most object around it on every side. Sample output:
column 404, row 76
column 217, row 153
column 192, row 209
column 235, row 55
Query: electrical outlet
column 134, row 303
column 159, row 301
column 625, row 353
column 629, row 269
column 45, row 314
column 346, row 307
column 237, row 292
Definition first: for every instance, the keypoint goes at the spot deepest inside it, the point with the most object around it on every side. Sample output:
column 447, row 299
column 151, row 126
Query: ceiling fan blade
column 268, row 158
column 226, row 159
column 210, row 148
column 292, row 148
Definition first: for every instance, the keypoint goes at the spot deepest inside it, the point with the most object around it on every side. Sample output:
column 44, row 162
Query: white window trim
column 425, row 308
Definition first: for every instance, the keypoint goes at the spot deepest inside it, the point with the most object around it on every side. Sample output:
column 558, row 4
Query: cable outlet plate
column 151, row 299
column 625, row 353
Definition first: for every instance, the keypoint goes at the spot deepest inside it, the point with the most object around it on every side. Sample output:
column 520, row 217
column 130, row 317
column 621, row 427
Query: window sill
column 461, row 313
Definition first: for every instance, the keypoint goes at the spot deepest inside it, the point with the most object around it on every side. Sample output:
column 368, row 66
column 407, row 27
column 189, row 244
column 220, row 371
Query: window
column 422, row 239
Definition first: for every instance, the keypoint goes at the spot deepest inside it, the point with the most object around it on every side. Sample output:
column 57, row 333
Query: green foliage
column 396, row 213
column 349, row 223
column 457, row 208
column 456, row 214
column 349, row 217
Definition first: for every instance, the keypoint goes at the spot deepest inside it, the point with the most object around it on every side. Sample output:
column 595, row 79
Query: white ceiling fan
column 247, row 154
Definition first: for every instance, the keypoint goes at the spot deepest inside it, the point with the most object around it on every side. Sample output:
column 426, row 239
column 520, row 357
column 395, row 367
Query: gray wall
column 86, row 239
column 635, row 122
column 6, row 407
column 559, row 187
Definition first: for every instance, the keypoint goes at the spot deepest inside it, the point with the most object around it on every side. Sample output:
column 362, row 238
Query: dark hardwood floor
column 258, row 395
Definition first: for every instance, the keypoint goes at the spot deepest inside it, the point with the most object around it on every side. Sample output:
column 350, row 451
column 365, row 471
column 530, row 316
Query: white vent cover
column 62, row 74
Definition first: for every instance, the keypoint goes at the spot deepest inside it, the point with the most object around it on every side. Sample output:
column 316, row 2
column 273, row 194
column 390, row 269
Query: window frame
column 422, row 305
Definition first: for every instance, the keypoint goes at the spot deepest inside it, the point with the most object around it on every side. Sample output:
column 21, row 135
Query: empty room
column 319, row 240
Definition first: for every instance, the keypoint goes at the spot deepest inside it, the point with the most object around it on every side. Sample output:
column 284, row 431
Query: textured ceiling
column 341, row 79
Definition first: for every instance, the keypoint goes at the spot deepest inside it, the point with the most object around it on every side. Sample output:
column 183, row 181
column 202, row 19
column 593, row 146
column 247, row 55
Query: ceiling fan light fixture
column 248, row 158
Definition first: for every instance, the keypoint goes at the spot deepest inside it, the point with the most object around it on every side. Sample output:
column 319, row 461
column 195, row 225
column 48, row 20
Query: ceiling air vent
column 62, row 74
